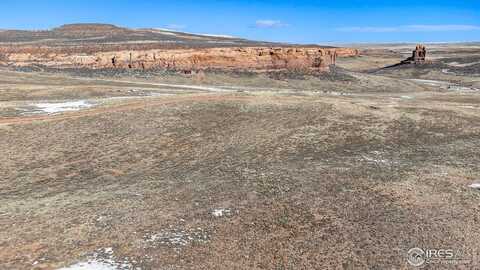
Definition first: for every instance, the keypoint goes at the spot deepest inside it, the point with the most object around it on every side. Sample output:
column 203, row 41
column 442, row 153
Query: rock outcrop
column 98, row 46
column 418, row 56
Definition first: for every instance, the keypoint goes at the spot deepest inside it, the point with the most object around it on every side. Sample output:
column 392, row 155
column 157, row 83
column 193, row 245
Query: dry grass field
column 241, row 171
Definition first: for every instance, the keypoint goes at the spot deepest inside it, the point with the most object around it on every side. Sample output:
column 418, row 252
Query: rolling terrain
column 99, row 46
column 346, row 168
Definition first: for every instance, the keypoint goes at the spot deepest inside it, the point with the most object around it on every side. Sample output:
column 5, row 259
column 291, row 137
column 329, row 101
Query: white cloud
column 411, row 28
column 270, row 24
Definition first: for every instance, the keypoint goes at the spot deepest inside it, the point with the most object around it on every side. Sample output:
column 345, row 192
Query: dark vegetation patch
column 334, row 74
column 461, row 60
column 467, row 71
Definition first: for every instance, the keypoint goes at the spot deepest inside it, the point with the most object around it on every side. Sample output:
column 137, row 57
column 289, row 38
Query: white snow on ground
column 183, row 86
column 163, row 31
column 369, row 159
column 136, row 97
column 172, row 238
column 475, row 185
column 102, row 259
column 377, row 157
column 220, row 212
column 430, row 82
column 90, row 265
column 220, row 42
column 447, row 71
column 62, row 107
column 195, row 87
column 207, row 88
column 178, row 237
column 455, row 64
column 460, row 88
column 174, row 32
column 444, row 85
column 468, row 107
column 58, row 107
column 218, row 36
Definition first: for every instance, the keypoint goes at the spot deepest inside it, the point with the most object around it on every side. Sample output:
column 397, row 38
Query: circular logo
column 416, row 257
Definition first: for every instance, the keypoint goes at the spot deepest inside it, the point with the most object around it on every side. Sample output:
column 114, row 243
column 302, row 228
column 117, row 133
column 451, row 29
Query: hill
column 95, row 33
column 99, row 46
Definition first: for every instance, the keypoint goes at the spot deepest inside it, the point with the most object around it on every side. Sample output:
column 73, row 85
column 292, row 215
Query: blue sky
column 288, row 21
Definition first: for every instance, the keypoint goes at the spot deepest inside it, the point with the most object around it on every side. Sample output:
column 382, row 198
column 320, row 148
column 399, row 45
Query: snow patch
column 90, row 265
column 220, row 42
column 460, row 88
column 59, row 107
column 447, row 71
column 102, row 259
column 430, row 82
column 445, row 85
column 377, row 157
column 178, row 237
column 373, row 160
column 166, row 33
column 220, row 212
column 63, row 106
column 169, row 31
column 456, row 64
column 335, row 93
column 137, row 97
column 217, row 36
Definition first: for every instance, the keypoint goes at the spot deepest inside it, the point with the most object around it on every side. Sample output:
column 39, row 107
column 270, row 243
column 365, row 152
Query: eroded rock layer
column 257, row 58
column 98, row 46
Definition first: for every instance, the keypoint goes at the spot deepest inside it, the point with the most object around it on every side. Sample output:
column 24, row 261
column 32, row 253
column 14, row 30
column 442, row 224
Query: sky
column 312, row 22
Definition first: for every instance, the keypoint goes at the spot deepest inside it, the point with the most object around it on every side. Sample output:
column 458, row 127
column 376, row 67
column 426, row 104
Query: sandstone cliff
column 257, row 58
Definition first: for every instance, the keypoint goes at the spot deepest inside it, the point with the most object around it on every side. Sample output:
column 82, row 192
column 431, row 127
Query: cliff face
column 418, row 56
column 256, row 58
column 108, row 46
